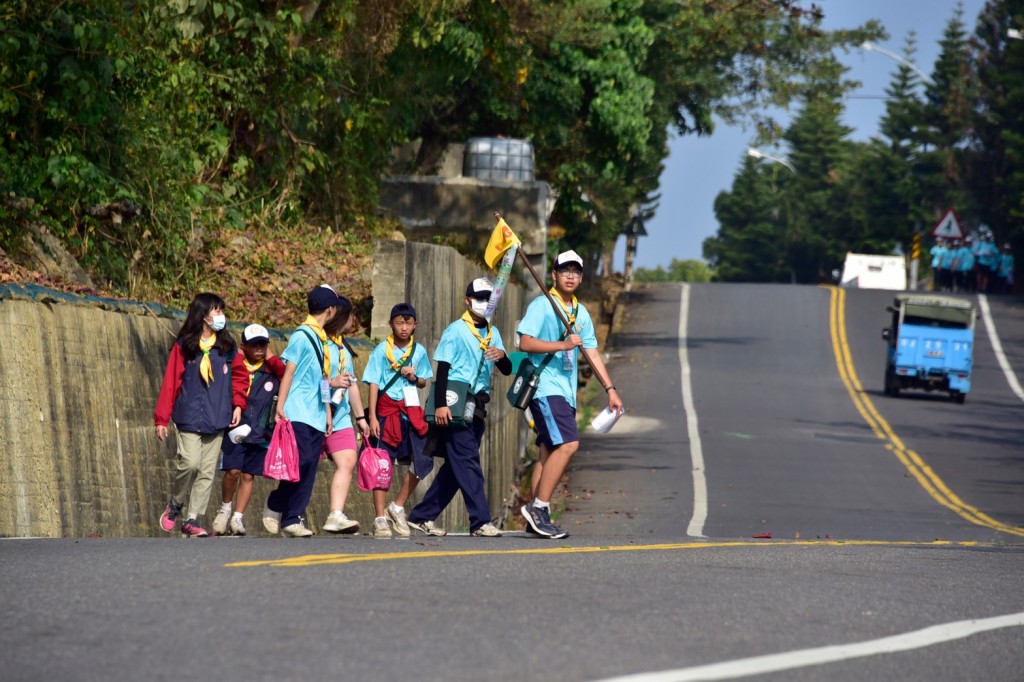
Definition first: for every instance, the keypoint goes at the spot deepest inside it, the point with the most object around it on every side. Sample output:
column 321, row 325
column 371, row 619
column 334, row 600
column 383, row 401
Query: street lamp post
column 758, row 154
column 871, row 47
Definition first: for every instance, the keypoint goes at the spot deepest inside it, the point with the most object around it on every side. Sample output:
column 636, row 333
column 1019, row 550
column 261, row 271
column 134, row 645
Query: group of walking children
column 210, row 387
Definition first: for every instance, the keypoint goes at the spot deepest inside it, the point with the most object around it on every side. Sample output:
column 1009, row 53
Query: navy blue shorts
column 244, row 457
column 556, row 421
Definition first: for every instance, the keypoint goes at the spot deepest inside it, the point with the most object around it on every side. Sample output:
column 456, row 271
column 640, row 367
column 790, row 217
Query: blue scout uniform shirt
column 303, row 403
column 461, row 349
column 378, row 369
column 936, row 252
column 1005, row 264
column 543, row 324
column 965, row 259
column 988, row 255
column 946, row 261
column 341, row 363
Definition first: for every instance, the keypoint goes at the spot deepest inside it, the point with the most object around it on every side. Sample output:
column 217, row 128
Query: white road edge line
column 695, row 529
column 997, row 346
column 803, row 658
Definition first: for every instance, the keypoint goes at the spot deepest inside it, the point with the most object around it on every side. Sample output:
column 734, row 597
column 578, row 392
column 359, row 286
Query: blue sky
column 699, row 168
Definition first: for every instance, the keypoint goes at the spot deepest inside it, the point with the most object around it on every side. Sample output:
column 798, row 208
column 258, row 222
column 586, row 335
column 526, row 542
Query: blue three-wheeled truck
column 930, row 344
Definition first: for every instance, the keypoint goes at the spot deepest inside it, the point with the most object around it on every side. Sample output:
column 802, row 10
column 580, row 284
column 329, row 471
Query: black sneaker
column 540, row 522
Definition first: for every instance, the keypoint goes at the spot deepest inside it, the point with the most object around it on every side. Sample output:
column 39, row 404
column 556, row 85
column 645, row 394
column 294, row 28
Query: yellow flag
column 502, row 239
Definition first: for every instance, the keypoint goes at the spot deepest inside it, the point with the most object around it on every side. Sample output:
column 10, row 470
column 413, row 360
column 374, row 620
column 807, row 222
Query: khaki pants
column 195, row 467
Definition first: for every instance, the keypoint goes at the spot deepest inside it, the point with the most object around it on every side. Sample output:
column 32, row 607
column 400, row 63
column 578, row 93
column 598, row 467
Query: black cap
column 403, row 309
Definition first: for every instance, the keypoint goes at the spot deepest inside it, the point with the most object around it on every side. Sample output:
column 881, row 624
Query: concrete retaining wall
column 78, row 383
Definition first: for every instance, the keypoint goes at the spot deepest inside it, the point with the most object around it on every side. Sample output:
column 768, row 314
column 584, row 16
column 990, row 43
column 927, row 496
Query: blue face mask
column 218, row 322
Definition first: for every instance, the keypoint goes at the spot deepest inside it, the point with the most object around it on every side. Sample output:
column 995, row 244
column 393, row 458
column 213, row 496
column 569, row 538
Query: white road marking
column 803, row 658
column 997, row 347
column 700, row 485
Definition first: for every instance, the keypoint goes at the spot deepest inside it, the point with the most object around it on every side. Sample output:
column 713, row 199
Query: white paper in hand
column 605, row 420
column 238, row 434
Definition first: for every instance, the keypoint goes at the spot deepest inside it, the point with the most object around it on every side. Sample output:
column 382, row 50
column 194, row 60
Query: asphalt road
column 852, row 563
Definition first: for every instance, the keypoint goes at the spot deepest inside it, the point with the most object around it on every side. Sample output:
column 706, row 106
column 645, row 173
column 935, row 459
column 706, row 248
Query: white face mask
column 478, row 307
column 217, row 322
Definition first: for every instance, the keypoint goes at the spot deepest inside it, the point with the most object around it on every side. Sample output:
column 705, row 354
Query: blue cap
column 322, row 298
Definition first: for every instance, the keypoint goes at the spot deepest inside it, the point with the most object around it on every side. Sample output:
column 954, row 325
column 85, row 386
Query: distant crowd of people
column 972, row 264
column 211, row 385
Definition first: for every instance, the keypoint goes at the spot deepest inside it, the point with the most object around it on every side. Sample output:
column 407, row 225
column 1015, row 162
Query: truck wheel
column 959, row 397
column 892, row 388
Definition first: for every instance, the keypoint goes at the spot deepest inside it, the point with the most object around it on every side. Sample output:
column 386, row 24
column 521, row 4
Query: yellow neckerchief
column 322, row 335
column 205, row 367
column 389, row 351
column 252, row 369
column 339, row 341
column 569, row 312
column 468, row 319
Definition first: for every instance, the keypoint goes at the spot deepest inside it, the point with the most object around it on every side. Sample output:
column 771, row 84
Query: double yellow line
column 917, row 467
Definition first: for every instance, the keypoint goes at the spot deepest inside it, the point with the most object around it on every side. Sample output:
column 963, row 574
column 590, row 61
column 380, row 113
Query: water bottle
column 527, row 393
column 272, row 419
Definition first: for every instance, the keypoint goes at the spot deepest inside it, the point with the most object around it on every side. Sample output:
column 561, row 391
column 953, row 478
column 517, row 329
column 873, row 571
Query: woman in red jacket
column 204, row 392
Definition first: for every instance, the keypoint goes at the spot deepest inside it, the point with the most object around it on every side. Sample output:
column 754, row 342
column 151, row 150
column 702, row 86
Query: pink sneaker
column 192, row 529
column 169, row 519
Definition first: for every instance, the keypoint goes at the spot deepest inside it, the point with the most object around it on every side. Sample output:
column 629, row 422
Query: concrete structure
column 462, row 208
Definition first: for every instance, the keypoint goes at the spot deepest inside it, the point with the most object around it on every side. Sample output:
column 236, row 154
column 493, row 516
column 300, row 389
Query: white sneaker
column 296, row 530
column 271, row 520
column 396, row 517
column 237, row 527
column 381, row 529
column 488, row 530
column 337, row 522
column 220, row 522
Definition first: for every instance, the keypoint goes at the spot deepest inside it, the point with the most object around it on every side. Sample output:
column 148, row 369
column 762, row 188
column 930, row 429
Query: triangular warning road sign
column 948, row 227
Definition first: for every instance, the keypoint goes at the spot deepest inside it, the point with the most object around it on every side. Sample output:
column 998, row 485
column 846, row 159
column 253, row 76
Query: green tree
column 947, row 116
column 752, row 217
column 996, row 152
column 678, row 271
column 819, row 222
column 886, row 188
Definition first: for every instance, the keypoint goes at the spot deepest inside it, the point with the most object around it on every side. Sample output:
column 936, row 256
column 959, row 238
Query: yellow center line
column 913, row 462
column 331, row 559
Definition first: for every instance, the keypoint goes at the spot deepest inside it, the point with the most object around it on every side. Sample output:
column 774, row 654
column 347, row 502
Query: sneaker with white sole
column 381, row 529
column 337, row 522
column 220, row 522
column 192, row 529
column 396, row 517
column 237, row 527
column 428, row 528
column 296, row 530
column 271, row 520
column 539, row 521
column 488, row 530
column 169, row 519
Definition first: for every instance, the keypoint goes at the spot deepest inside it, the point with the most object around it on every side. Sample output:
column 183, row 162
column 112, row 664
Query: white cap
column 255, row 333
column 567, row 257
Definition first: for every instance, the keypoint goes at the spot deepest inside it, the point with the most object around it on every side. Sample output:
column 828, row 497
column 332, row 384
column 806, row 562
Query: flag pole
column 557, row 307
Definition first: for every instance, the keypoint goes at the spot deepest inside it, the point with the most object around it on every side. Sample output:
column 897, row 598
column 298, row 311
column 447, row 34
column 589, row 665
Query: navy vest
column 201, row 408
column 261, row 400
